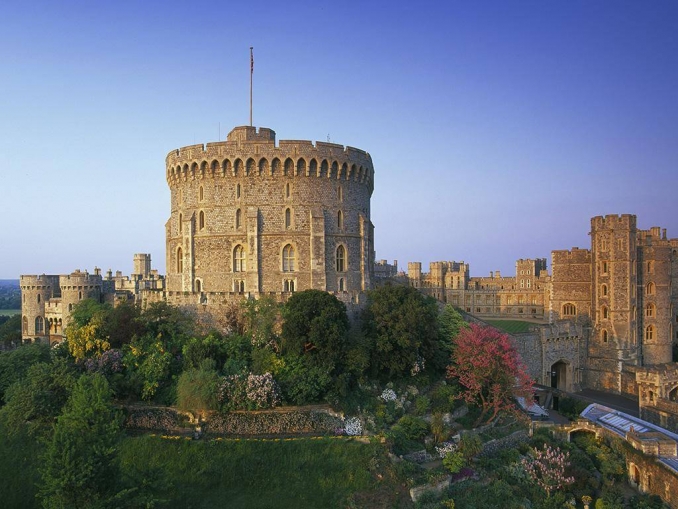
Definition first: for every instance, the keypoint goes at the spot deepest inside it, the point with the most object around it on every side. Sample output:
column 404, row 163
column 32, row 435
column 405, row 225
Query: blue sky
column 496, row 128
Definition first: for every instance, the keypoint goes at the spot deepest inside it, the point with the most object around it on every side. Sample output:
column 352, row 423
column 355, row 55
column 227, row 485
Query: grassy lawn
column 9, row 312
column 511, row 326
column 313, row 473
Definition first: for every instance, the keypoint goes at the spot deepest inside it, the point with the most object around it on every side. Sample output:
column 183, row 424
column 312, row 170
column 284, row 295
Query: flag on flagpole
column 251, row 60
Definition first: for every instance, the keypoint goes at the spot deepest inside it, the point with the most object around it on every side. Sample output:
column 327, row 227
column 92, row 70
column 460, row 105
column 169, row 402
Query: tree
column 79, row 468
column 547, row 467
column 488, row 366
column 450, row 322
column 315, row 328
column 197, row 388
column 10, row 330
column 15, row 364
column 401, row 327
column 88, row 340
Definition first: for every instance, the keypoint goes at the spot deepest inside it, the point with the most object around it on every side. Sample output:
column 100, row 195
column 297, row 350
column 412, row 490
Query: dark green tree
column 401, row 326
column 197, row 388
column 450, row 322
column 10, row 330
column 14, row 364
column 79, row 468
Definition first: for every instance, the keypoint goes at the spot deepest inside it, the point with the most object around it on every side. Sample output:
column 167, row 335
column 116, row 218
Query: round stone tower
column 251, row 217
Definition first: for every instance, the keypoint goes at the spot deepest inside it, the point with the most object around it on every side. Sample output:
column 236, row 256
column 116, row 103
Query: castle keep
column 249, row 217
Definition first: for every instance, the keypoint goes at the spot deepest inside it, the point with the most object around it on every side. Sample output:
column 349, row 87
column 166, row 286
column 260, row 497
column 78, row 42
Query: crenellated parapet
column 248, row 153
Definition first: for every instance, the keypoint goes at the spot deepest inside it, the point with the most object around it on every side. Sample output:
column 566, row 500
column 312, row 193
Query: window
column 650, row 267
column 603, row 245
column 238, row 218
column 24, row 325
column 342, row 287
column 649, row 310
column 650, row 289
column 38, row 298
column 340, row 219
column 288, row 218
column 620, row 244
column 288, row 191
column 288, row 258
column 289, row 285
column 649, row 332
column 198, row 285
column 39, row 325
column 529, row 283
column 341, row 259
column 340, row 194
column 569, row 309
column 522, row 283
column 605, row 312
column 201, row 220
column 181, row 223
column 239, row 286
column 603, row 336
column 239, row 262
column 237, row 191
column 603, row 290
column 603, row 269
column 201, row 196
column 180, row 260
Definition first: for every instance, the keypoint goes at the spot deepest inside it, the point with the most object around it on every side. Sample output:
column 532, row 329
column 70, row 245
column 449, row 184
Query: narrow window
column 529, row 283
column 202, row 194
column 201, row 220
column 288, row 258
column 569, row 310
column 289, row 285
column 237, row 191
column 604, row 268
column 603, row 290
column 341, row 284
column 181, row 223
column 341, row 259
column 604, row 336
column 649, row 310
column 650, row 289
column 198, row 286
column 605, row 312
column 522, row 283
column 79, row 295
column 25, row 325
column 650, row 267
column 288, row 191
column 340, row 193
column 39, row 325
column 239, row 261
column 288, row 218
column 180, row 260
column 238, row 216
column 340, row 219
column 38, row 298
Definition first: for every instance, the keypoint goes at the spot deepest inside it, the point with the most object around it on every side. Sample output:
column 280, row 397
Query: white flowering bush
column 353, row 426
column 251, row 392
column 547, row 468
column 445, row 448
column 388, row 395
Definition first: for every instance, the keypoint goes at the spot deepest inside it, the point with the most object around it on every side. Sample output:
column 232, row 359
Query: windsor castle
column 252, row 217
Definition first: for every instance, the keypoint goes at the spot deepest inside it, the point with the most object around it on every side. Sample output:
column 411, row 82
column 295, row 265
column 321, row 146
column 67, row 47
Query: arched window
column 342, row 287
column 237, row 191
column 569, row 309
column 301, row 167
column 24, row 325
column 603, row 336
column 529, row 282
column 522, row 283
column 288, row 218
column 288, row 258
column 180, row 260
column 198, row 285
column 603, row 290
column 202, row 194
column 288, row 190
column 340, row 219
column 650, row 267
column 239, row 286
column 79, row 295
column 238, row 218
column 605, row 312
column 289, row 285
column 201, row 221
column 649, row 332
column 604, row 268
column 38, row 298
column 181, row 223
column 239, row 260
column 39, row 325
column 650, row 288
column 341, row 259
column 289, row 166
column 649, row 310
column 340, row 193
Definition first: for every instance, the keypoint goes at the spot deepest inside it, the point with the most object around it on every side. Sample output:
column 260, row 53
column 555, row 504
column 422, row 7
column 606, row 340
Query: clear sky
column 496, row 128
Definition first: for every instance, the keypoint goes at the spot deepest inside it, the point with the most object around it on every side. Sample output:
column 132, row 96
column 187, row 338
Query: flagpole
column 251, row 74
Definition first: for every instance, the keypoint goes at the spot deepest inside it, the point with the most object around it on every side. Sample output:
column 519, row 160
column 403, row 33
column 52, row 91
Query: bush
column 197, row 388
column 421, row 405
column 413, row 428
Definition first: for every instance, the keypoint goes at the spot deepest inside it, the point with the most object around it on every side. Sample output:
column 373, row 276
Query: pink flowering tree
column 488, row 367
column 547, row 467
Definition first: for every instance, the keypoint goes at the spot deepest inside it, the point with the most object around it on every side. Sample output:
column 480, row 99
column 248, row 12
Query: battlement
column 27, row 282
column 575, row 255
column 251, row 153
column 613, row 221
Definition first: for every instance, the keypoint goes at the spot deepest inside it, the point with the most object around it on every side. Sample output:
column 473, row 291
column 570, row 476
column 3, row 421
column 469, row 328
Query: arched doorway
column 559, row 376
column 634, row 475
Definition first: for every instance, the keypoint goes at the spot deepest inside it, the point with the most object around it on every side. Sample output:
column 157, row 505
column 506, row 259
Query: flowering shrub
column 418, row 366
column 444, row 448
column 547, row 468
column 353, row 426
column 107, row 363
column 252, row 392
column 388, row 395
